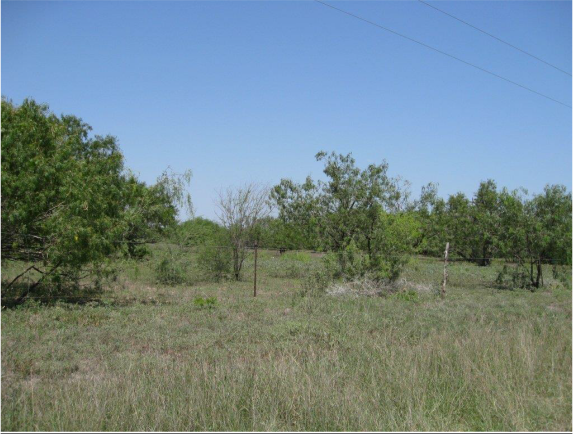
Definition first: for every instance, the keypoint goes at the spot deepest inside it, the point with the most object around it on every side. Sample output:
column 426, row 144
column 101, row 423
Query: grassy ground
column 148, row 357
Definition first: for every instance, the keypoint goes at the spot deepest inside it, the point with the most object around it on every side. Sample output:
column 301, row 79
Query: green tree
column 471, row 227
column 459, row 229
column 535, row 231
column 485, row 222
column 277, row 233
column 393, row 242
column 67, row 203
column 344, row 211
column 198, row 231
column 430, row 212
column 151, row 211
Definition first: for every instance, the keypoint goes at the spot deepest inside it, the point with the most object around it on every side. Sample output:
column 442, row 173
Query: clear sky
column 250, row 91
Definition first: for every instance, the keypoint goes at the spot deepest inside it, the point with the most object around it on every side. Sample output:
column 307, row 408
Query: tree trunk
column 484, row 261
column 539, row 274
column 236, row 266
column 536, row 276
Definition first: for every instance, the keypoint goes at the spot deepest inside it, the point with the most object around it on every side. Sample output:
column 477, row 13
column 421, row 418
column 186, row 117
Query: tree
column 67, row 203
column 459, row 230
column 485, row 222
column 151, row 210
column 277, row 233
column 471, row 227
column 430, row 212
column 392, row 243
column 211, row 242
column 536, row 231
column 240, row 210
column 344, row 212
column 198, row 231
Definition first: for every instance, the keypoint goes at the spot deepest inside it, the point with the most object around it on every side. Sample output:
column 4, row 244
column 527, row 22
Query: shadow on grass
column 18, row 295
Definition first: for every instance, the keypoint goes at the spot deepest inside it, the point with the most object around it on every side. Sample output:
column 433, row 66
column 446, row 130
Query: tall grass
column 483, row 359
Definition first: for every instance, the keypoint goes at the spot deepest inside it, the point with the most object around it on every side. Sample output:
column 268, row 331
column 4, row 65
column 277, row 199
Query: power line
column 494, row 37
column 442, row 52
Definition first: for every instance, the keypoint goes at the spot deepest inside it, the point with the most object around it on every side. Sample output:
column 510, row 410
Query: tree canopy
column 68, row 203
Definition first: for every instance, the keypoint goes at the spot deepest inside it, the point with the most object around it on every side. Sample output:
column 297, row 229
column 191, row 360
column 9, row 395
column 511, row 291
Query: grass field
column 149, row 357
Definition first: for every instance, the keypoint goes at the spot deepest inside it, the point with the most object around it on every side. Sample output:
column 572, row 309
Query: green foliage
column 529, row 231
column 62, row 192
column 343, row 213
column 408, row 296
column 150, row 211
column 68, row 205
column 169, row 272
column 205, row 303
column 537, row 231
column 278, row 233
column 316, row 282
column 429, row 211
column 392, row 244
column 211, row 243
column 198, row 231
column 215, row 261
column 470, row 226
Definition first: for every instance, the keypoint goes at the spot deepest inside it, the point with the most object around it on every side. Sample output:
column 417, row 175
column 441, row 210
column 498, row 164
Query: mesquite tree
column 347, row 211
column 537, row 231
column 68, row 204
column 240, row 210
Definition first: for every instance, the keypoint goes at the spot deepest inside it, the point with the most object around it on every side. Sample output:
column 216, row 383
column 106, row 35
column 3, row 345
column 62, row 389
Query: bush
column 409, row 295
column 198, row 231
column 317, row 282
column 214, row 262
column 205, row 303
column 169, row 272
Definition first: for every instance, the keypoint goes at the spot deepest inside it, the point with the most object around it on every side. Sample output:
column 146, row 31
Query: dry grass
column 483, row 359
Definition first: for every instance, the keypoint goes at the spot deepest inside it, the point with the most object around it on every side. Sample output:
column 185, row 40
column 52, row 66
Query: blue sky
column 250, row 91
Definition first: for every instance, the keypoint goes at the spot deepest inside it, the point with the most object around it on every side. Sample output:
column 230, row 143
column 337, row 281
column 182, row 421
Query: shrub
column 205, row 303
column 198, row 231
column 214, row 262
column 409, row 295
column 316, row 282
column 169, row 272
column 514, row 276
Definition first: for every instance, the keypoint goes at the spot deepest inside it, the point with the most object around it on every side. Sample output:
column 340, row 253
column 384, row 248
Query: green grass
column 149, row 357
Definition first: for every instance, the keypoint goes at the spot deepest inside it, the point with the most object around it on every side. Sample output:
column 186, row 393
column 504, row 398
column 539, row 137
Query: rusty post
column 255, row 282
column 443, row 293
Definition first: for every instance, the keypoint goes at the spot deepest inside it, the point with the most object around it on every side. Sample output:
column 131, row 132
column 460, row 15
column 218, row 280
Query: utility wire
column 494, row 37
column 442, row 52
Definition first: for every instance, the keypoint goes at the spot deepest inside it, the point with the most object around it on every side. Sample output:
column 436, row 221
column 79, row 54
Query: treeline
column 370, row 223
column 70, row 208
column 369, row 212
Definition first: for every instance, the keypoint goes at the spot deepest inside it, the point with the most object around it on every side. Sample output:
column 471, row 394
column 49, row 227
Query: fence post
column 255, row 281
column 443, row 293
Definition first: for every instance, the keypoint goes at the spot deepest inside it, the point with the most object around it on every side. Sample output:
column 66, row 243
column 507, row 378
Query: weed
column 205, row 303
